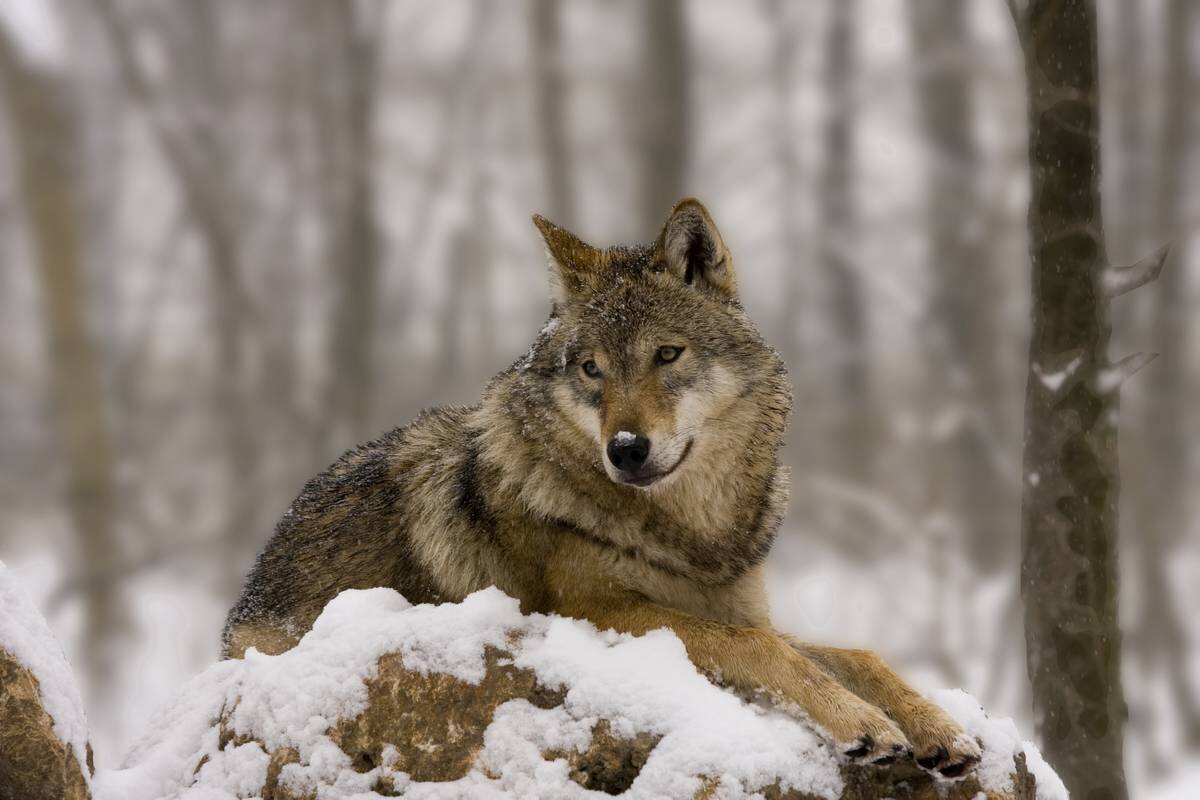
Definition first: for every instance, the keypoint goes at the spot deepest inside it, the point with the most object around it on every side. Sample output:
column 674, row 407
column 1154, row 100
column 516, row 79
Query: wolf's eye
column 590, row 369
column 666, row 355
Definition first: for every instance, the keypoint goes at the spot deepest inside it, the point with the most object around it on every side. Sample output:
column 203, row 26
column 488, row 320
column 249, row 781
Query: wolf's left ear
column 693, row 250
column 573, row 262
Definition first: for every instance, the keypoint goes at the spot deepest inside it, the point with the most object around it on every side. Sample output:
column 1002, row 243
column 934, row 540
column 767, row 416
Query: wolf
column 624, row 471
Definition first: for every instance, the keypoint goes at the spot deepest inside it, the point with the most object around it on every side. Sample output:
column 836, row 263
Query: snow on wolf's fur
column 638, row 683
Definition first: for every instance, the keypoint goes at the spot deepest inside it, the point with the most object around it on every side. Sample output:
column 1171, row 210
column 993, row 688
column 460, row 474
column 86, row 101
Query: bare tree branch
column 1110, row 378
column 1116, row 281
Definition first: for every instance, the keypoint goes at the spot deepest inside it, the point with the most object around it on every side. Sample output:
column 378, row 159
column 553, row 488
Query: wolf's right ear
column 693, row 250
column 573, row 263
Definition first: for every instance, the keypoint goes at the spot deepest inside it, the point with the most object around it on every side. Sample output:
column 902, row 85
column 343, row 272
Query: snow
column 25, row 635
column 1054, row 380
column 637, row 683
column 624, row 437
column 1001, row 743
column 704, row 729
column 544, row 334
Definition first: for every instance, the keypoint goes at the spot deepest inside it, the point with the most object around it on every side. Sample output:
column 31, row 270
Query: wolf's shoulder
column 384, row 460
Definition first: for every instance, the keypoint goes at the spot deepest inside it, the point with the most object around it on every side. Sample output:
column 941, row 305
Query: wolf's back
column 353, row 527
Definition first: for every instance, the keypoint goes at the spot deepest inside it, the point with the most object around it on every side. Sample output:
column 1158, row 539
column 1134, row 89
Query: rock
column 43, row 732
column 383, row 699
column 432, row 726
column 34, row 763
column 471, row 699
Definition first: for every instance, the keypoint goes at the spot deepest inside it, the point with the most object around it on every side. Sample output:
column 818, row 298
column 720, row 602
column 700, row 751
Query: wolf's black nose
column 628, row 451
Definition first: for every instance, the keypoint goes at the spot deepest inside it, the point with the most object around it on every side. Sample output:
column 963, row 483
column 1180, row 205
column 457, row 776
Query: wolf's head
column 651, row 359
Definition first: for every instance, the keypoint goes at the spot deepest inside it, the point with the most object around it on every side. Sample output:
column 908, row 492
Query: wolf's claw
column 864, row 746
column 899, row 752
column 939, row 743
column 932, row 760
column 959, row 769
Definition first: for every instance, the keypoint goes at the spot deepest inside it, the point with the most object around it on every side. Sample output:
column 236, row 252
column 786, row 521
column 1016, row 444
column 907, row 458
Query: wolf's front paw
column 864, row 733
column 939, row 744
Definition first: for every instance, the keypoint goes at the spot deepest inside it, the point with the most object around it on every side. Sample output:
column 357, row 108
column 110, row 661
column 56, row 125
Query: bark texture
column 1069, row 559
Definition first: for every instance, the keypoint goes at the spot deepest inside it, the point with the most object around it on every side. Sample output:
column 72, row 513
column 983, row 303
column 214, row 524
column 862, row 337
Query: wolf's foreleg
column 938, row 742
column 749, row 659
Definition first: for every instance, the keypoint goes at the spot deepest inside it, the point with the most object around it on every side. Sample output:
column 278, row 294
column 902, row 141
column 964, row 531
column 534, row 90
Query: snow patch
column 1001, row 744
column 544, row 334
column 643, row 683
column 1054, row 380
column 291, row 700
column 27, row 637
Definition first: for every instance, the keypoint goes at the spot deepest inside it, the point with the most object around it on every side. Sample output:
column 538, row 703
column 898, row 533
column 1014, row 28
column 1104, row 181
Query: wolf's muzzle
column 628, row 451
column 629, row 455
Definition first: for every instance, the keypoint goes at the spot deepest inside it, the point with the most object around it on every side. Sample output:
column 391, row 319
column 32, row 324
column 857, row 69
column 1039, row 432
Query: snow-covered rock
column 466, row 700
column 476, row 700
column 43, row 732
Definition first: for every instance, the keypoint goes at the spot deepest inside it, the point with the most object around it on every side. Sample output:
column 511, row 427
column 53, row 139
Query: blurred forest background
column 238, row 238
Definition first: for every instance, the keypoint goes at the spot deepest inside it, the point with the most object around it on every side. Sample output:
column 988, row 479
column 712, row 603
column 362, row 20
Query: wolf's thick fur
column 624, row 471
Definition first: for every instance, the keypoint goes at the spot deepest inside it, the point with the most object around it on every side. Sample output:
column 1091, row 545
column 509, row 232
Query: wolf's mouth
column 646, row 480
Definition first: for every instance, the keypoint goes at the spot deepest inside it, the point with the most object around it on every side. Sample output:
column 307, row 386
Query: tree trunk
column 197, row 157
column 780, row 16
column 40, row 113
column 795, row 300
column 1164, row 504
column 962, row 345
column 1129, row 113
column 852, row 435
column 664, row 113
column 355, row 233
column 210, row 191
column 1069, row 510
column 551, row 96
